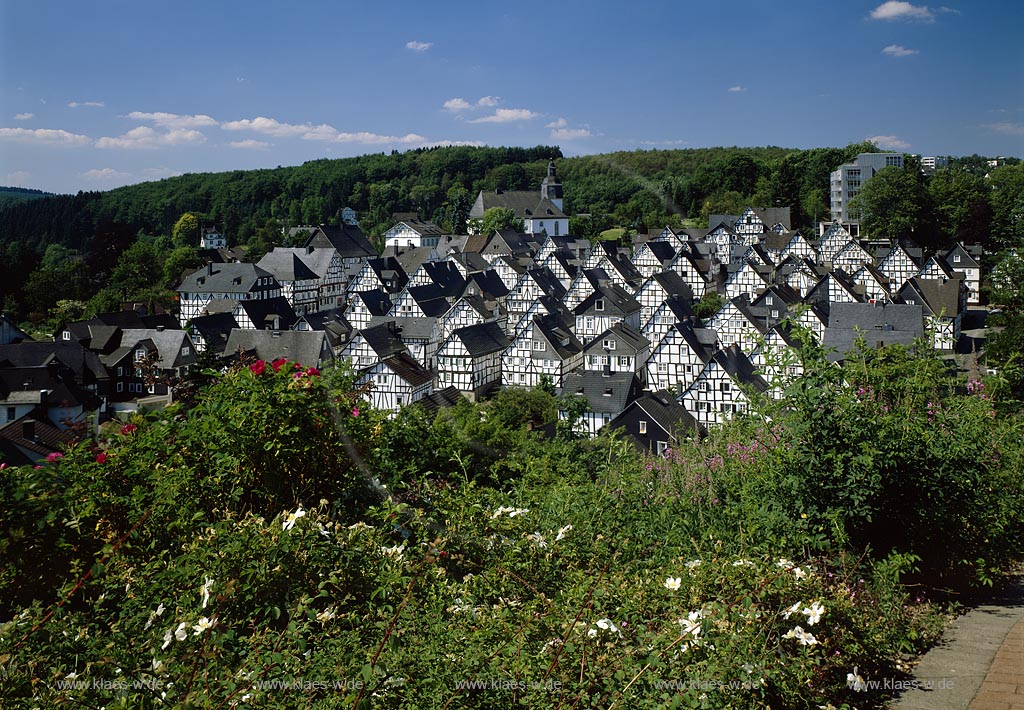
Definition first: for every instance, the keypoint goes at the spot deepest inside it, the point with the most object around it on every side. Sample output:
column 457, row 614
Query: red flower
column 312, row 371
column 355, row 411
column 101, row 457
column 128, row 429
column 55, row 456
column 279, row 363
column 258, row 367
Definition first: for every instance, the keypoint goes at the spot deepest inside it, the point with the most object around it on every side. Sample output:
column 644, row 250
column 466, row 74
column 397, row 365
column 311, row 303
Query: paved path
column 979, row 662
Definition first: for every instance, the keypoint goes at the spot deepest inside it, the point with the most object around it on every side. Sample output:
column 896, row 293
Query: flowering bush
column 282, row 533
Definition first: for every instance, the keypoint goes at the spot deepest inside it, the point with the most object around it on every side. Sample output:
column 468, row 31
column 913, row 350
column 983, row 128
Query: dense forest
column 68, row 247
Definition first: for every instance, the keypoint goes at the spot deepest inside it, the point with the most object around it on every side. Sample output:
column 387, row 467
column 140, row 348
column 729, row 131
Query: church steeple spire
column 551, row 188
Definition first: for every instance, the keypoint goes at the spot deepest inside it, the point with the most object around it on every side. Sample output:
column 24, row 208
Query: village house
column 470, row 359
column 544, row 347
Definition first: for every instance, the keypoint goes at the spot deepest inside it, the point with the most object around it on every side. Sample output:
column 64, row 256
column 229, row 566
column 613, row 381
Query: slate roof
column 482, row 338
column 702, row 341
column 410, row 258
column 876, row 323
column 547, row 281
column 606, row 393
column 214, row 330
column 305, row 347
column 663, row 251
column 617, row 302
column 225, row 278
column 318, row 259
column 41, row 386
column 628, row 341
column 408, row 369
column 664, row 410
column 441, row 399
column 348, row 240
column 735, row 362
column 264, row 313
column 417, row 328
column 471, row 261
column 389, row 271
column 384, row 339
column 673, row 284
column 167, row 342
column 563, row 341
column 527, row 204
column 939, row 297
column 376, row 301
column 332, row 322
column 446, row 276
column 422, row 227
column 84, row 363
column 286, row 265
column 489, row 283
column 43, row 439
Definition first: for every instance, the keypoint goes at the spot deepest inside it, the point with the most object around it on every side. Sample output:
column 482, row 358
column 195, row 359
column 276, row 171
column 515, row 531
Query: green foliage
column 197, row 557
column 498, row 218
column 709, row 304
column 895, row 204
column 186, row 231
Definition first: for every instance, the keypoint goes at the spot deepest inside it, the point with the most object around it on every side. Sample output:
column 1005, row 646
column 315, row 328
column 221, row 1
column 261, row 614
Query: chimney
column 209, row 269
column 309, row 249
column 28, row 429
column 43, row 394
column 160, row 329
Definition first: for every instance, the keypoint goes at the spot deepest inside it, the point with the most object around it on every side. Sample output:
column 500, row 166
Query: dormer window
column 608, row 344
column 956, row 258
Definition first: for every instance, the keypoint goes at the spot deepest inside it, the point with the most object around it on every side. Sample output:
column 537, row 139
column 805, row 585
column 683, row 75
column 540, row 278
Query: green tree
column 498, row 218
column 895, row 204
column 139, row 268
column 1007, row 195
column 962, row 206
column 455, row 210
column 179, row 261
column 186, row 231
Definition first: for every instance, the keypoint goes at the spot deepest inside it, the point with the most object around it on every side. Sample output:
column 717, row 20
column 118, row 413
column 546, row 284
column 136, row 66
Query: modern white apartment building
column 849, row 178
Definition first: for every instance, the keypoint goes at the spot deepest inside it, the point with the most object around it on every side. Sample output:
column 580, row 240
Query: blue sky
column 106, row 93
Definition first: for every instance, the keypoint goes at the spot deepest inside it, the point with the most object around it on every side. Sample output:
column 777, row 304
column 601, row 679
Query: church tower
column 551, row 188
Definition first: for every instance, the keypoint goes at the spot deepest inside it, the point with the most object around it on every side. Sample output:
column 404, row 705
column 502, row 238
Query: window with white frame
column 643, row 426
column 599, row 304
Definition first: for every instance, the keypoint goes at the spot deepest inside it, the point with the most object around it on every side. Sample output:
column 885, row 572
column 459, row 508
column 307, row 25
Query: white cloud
column 569, row 134
column 104, row 174
column 952, row 10
column 889, row 142
column 268, row 126
column 77, row 104
column 44, row 136
column 895, row 50
column 455, row 105
column 18, row 178
column 332, row 135
column 459, row 104
column 161, row 172
column 173, row 120
column 1006, row 127
column 252, row 144
column 24, row 116
column 418, row 46
column 145, row 138
column 900, row 10
column 309, row 132
column 557, row 123
column 736, row 89
column 507, row 115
